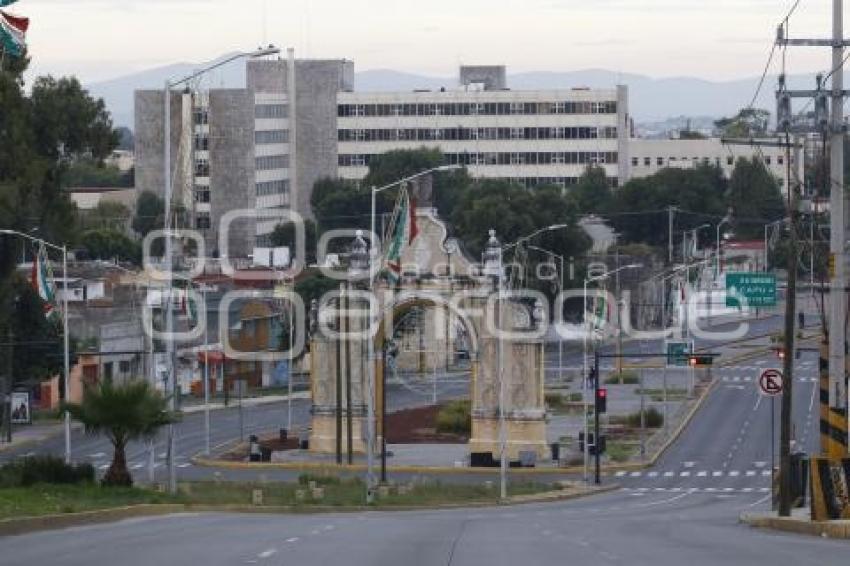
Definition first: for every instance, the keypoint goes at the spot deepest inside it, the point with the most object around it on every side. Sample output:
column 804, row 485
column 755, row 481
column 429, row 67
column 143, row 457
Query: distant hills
column 650, row 99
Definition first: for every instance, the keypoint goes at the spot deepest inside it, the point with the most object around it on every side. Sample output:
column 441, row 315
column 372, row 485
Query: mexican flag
column 42, row 281
column 404, row 231
column 7, row 2
column 13, row 31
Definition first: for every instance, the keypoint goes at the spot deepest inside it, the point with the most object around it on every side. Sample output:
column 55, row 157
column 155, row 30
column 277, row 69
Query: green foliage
column 40, row 354
column 397, row 164
column 627, row 377
column 755, row 198
column 748, row 123
column 284, row 235
column 593, row 192
column 150, row 213
column 57, row 124
column 455, row 417
column 44, row 469
column 639, row 210
column 108, row 244
column 107, row 214
column 653, row 418
column 123, row 412
column 88, row 173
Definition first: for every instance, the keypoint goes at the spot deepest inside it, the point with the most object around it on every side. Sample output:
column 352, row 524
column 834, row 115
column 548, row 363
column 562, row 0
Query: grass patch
column 657, row 395
column 619, row 451
column 44, row 499
column 627, row 377
column 455, row 417
column 561, row 402
column 652, row 418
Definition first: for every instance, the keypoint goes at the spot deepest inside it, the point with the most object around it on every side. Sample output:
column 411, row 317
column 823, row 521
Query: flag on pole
column 42, row 281
column 7, row 2
column 13, row 31
column 404, row 231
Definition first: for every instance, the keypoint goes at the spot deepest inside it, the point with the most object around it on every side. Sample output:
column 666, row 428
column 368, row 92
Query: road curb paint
column 802, row 526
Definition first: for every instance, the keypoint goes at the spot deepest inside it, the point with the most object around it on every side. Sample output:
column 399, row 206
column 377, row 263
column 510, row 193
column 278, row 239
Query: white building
column 648, row 156
column 532, row 137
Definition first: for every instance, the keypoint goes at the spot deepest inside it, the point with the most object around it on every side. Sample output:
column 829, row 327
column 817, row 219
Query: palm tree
column 129, row 411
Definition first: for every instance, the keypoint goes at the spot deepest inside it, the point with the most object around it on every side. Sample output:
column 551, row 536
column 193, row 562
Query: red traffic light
column 602, row 393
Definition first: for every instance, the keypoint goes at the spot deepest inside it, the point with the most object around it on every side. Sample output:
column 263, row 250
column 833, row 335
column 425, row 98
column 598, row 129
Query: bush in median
column 44, row 469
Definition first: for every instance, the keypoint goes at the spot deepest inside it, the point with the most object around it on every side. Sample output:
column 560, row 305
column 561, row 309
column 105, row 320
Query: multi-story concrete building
column 648, row 156
column 237, row 149
column 531, row 137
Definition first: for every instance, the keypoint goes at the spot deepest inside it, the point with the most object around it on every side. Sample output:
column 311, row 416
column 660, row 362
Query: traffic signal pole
column 596, row 439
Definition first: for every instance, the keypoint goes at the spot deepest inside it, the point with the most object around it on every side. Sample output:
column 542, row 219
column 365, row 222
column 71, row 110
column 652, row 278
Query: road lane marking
column 685, row 474
column 760, row 464
column 653, row 474
column 635, row 474
column 663, row 501
column 717, row 473
column 689, row 464
column 751, row 473
column 702, row 474
column 267, row 553
column 620, row 474
column 734, row 474
column 668, row 474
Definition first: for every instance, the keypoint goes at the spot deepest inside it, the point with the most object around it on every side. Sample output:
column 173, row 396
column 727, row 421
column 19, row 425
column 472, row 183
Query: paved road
column 656, row 529
column 225, row 429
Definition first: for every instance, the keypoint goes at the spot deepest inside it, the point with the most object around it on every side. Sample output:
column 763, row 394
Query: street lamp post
column 560, row 289
column 169, row 250
column 67, row 388
column 370, row 350
column 725, row 220
column 588, row 280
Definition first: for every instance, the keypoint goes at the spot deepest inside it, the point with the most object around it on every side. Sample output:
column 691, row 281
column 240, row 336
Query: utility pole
column 834, row 424
column 10, row 355
column 339, row 378
column 838, row 233
column 670, row 211
column 597, row 444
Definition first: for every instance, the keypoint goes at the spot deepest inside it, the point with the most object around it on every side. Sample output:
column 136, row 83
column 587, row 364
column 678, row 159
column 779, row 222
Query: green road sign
column 759, row 289
column 678, row 353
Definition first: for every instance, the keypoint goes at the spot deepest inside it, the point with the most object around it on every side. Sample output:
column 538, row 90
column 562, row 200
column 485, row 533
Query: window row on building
column 451, row 134
column 502, row 158
column 478, row 108
column 271, row 136
column 730, row 160
column 278, row 187
column 267, row 162
column 270, row 111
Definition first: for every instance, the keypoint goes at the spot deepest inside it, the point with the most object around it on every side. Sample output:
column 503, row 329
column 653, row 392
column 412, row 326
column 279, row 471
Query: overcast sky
column 713, row 39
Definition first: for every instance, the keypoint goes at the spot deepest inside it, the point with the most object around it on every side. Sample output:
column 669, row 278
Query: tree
column 339, row 203
column 284, row 235
column 150, row 213
column 639, row 208
column 593, row 191
column 39, row 352
column 748, row 123
column 124, row 412
column 108, row 243
column 41, row 134
column 754, row 196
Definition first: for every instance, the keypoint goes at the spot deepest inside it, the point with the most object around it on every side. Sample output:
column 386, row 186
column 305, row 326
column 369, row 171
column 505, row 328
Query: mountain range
column 650, row 99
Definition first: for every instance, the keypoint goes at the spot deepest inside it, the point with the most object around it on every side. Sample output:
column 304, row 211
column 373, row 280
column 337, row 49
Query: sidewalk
column 246, row 402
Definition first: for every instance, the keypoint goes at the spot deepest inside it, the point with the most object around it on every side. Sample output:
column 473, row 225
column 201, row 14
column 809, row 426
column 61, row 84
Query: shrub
column 652, row 418
column 628, row 378
column 44, row 469
column 455, row 417
column 305, row 479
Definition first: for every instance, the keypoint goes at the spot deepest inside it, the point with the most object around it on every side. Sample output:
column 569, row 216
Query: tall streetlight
column 370, row 351
column 695, row 235
column 494, row 269
column 725, row 220
column 588, row 280
column 169, row 250
column 560, row 289
column 64, row 249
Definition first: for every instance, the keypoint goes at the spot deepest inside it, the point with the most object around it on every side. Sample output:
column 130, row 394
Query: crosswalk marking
column 724, row 490
column 689, row 473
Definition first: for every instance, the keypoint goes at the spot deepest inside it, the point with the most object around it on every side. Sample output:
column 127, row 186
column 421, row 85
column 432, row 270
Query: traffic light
column 601, row 400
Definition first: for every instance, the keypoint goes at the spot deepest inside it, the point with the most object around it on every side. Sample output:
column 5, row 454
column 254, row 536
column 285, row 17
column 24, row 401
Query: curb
column 825, row 529
column 25, row 525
